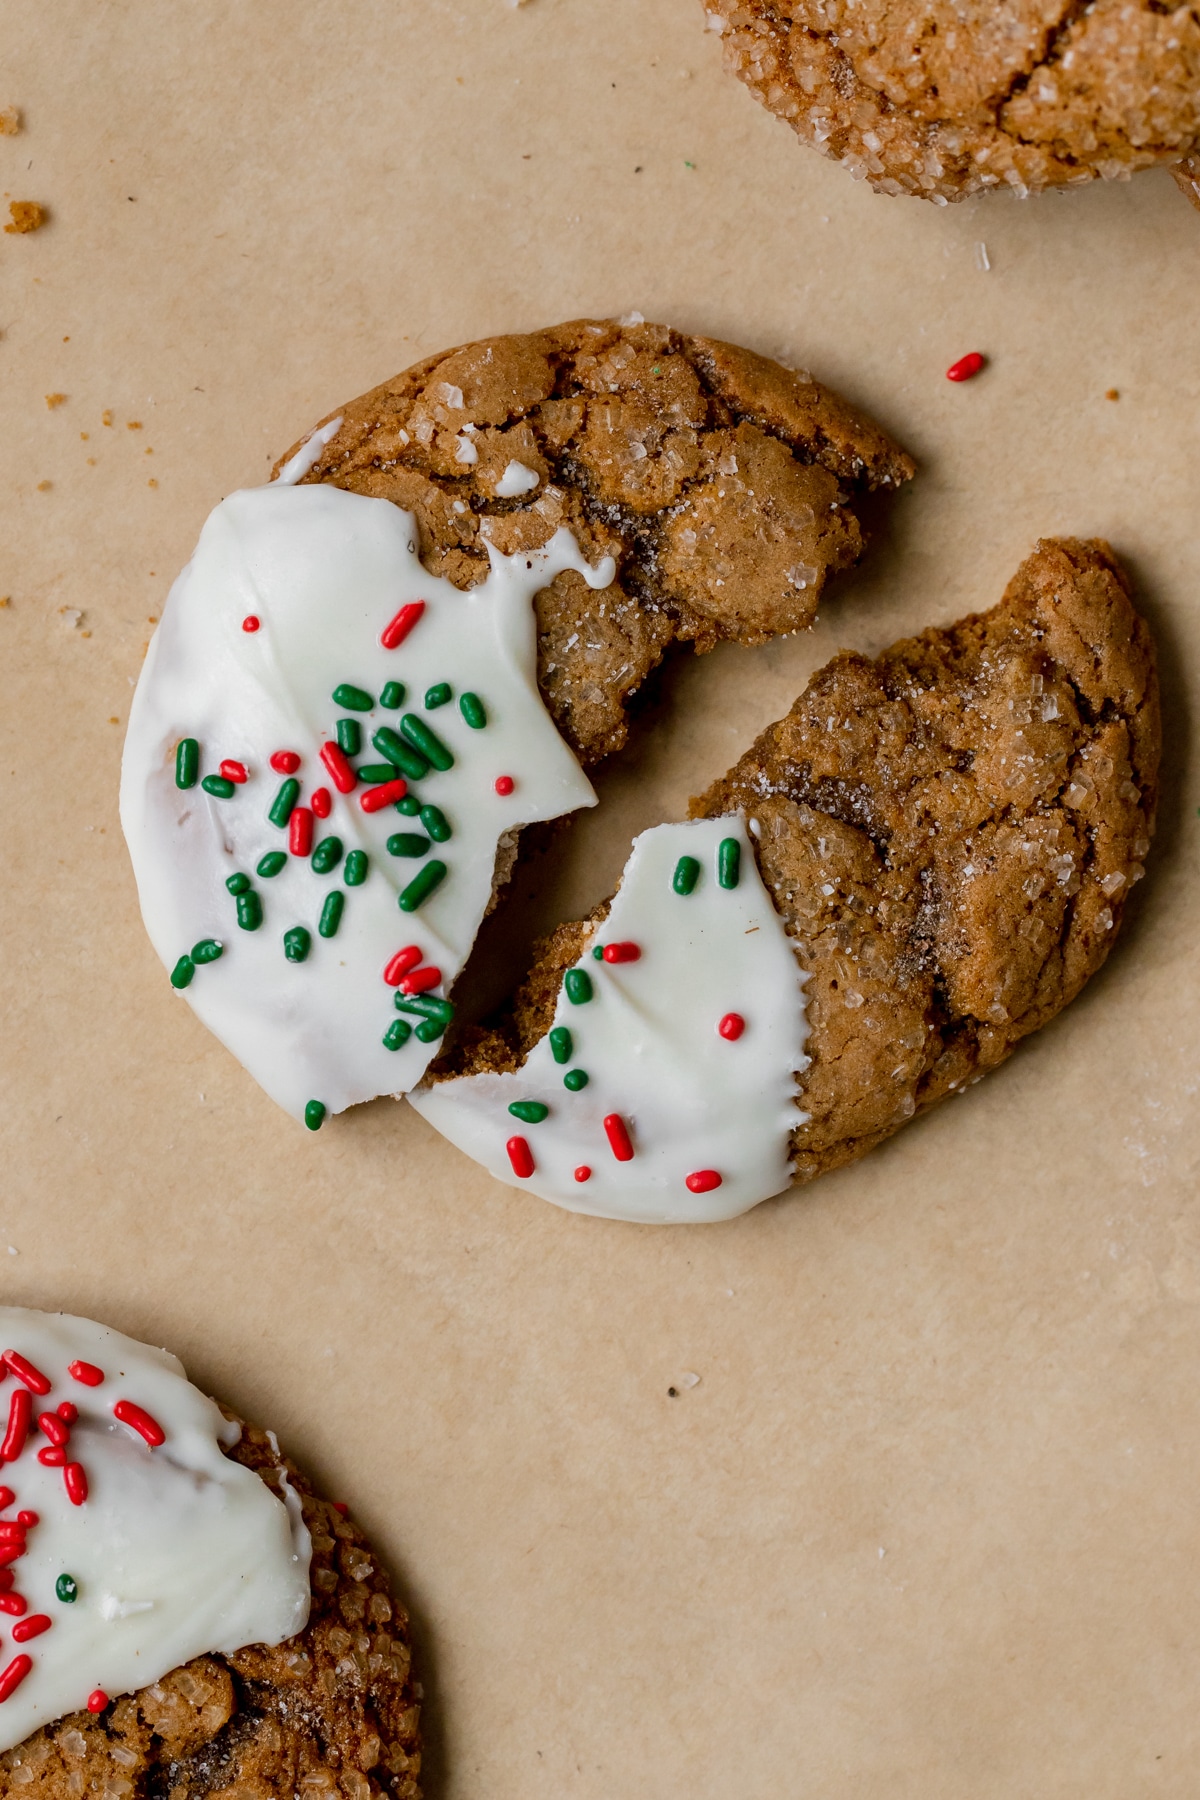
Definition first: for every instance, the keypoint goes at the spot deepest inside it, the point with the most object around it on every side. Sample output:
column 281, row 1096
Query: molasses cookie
column 917, row 867
column 930, row 98
column 185, row 1616
column 381, row 666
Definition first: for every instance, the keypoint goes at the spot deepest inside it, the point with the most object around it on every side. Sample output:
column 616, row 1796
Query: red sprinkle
column 340, row 773
column 339, row 1506
column 6, row 1497
column 14, row 1675
column 703, row 1181
column 285, row 762
column 234, row 771
column 140, row 1421
column 504, row 785
column 54, row 1456
column 732, row 1026
column 251, row 622
column 28, row 1519
column 520, row 1156
column 25, row 1371
column 87, row 1373
column 77, row 1487
column 618, row 1137
column 53, row 1427
column 97, row 1700
column 10, row 1552
column 322, row 802
column 386, row 794
column 11, row 1532
column 401, row 963
column 583, row 1173
column 31, row 1627
column 398, row 628
column 965, row 367
column 12, row 1604
column 614, row 953
column 20, row 1412
column 67, row 1411
column 300, row 827
column 420, row 981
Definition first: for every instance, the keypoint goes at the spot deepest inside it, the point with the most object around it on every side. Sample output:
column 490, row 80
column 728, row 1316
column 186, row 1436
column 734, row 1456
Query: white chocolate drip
column 175, row 1552
column 695, row 1103
column 308, row 455
column 323, row 572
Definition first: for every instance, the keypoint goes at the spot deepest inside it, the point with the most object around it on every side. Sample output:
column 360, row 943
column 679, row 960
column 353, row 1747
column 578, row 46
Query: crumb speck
column 10, row 121
column 27, row 215
column 133, row 424
column 106, row 417
column 1112, row 393
column 53, row 400
column 44, row 487
column 152, row 482
column 84, row 436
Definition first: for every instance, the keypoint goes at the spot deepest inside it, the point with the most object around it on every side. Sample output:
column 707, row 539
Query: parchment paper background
column 929, row 1525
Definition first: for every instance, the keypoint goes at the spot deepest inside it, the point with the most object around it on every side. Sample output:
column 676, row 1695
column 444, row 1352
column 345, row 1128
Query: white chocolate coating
column 176, row 1551
column 649, row 1044
column 309, row 454
column 324, row 571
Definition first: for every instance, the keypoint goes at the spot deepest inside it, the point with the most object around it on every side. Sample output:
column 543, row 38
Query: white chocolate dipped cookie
column 156, row 1554
column 379, row 668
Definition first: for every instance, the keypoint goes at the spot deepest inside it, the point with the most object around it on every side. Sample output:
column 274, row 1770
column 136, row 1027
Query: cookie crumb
column 10, row 121
column 5, row 599
column 1112, row 393
column 152, row 482
column 106, row 417
column 53, row 400
column 27, row 215
column 44, row 487
column 113, row 720
column 133, row 424
column 83, row 436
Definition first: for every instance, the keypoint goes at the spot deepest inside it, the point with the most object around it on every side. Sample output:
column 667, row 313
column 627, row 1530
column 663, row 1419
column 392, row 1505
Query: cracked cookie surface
column 941, row 100
column 724, row 485
column 330, row 1714
column 950, row 832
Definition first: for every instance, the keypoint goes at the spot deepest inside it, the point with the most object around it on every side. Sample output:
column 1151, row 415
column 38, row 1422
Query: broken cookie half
column 381, row 666
column 917, row 867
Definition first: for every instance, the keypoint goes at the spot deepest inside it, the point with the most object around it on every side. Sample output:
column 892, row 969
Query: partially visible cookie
column 927, row 97
column 946, row 837
column 724, row 485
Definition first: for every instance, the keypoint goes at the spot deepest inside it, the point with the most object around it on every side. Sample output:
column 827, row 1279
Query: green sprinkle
column 430, row 1030
column 187, row 762
column 374, row 773
column 575, row 1079
column 67, row 1589
column 436, row 824
column 426, row 1006
column 397, row 1034
column 207, row 950
column 561, row 1044
column 410, row 806
column 355, row 872
column 249, row 910
column 218, row 787
column 349, row 736
column 687, row 874
column 472, row 709
column 296, row 943
column 284, row 803
column 331, row 913
column 422, row 885
column 598, row 953
column 407, row 843
column 238, row 883
column 439, row 695
column 272, row 863
column 182, row 973
column 426, row 741
column 530, row 1112
column 401, row 755
column 392, row 696
column 729, row 862
column 314, row 1115
column 354, row 699
column 578, row 984
column 327, row 855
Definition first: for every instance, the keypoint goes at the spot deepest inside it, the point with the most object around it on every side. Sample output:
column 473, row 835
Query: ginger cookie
column 408, row 646
column 924, row 97
column 917, row 867
column 186, row 1616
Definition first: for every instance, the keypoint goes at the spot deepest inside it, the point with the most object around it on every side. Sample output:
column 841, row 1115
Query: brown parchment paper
column 929, row 1523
